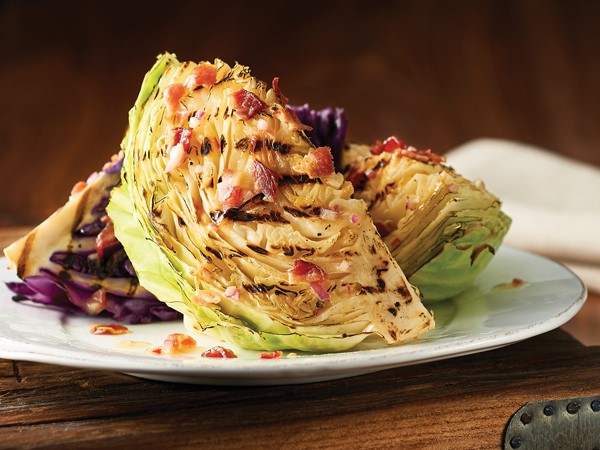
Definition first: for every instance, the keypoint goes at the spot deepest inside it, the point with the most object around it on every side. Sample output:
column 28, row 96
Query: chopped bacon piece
column 178, row 343
column 172, row 96
column 218, row 352
column 389, row 145
column 271, row 355
column 112, row 328
column 319, row 162
column 265, row 180
column 204, row 74
column 304, row 271
column 106, row 237
column 319, row 290
column 230, row 195
column 282, row 98
column 183, row 136
column 247, row 104
column 422, row 155
column 354, row 219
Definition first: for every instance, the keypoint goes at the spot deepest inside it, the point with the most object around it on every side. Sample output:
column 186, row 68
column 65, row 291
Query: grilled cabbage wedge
column 441, row 228
column 231, row 216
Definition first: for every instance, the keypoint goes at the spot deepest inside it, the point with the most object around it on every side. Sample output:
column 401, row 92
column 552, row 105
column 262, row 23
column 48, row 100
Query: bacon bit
column 106, row 237
column 247, row 104
column 233, row 293
column 205, row 298
column 389, row 145
column 183, row 136
column 356, row 177
column 230, row 196
column 320, row 291
column 204, row 74
column 218, row 352
column 265, row 180
column 453, row 188
column 424, row 156
column 106, row 329
column 304, row 271
column 319, row 162
column 271, row 355
column 178, row 343
column 354, row 219
column 370, row 173
column 78, row 187
column 282, row 98
column 172, row 96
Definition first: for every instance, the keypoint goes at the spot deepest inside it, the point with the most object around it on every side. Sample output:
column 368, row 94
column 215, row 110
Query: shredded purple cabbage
column 329, row 127
column 72, row 279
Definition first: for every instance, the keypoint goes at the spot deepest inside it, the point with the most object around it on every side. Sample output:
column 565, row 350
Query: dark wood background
column 437, row 73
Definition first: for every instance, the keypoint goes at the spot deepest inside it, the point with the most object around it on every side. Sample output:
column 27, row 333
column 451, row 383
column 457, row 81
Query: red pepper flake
column 319, row 162
column 247, row 104
column 218, row 352
column 265, row 180
column 109, row 329
column 271, row 355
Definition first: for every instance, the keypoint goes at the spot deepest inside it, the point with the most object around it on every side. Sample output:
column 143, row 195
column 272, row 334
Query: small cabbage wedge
column 231, row 216
column 72, row 261
column 441, row 228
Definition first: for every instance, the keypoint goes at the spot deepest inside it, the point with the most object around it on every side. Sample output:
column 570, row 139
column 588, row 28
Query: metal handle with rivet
column 572, row 423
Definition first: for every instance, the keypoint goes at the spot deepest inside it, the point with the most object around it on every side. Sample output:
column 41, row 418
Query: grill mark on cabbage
column 257, row 249
column 215, row 252
column 206, row 147
column 295, row 212
column 261, row 288
column 24, row 257
column 297, row 179
column 238, row 215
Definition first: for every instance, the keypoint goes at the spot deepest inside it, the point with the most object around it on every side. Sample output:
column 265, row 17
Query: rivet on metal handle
column 564, row 423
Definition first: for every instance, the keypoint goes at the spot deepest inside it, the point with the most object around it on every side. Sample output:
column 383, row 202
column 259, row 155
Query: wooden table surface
column 435, row 73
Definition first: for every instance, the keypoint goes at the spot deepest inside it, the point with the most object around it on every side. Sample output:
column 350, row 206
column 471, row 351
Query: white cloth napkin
column 554, row 201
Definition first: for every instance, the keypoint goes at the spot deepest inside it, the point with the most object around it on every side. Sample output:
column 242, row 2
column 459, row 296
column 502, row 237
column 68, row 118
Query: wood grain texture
column 437, row 73
column 461, row 403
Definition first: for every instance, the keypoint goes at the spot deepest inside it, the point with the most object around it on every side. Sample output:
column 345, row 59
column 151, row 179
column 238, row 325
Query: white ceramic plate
column 490, row 315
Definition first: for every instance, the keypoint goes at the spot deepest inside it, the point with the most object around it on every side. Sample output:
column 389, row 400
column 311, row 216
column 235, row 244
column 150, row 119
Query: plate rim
column 307, row 368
